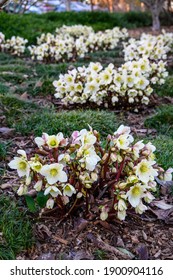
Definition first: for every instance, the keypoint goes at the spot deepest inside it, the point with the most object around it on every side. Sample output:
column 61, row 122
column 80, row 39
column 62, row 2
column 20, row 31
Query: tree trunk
column 67, row 4
column 91, row 3
column 155, row 17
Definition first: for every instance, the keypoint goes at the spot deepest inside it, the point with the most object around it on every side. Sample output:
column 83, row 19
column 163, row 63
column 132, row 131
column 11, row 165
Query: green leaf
column 42, row 199
column 30, row 203
column 123, row 250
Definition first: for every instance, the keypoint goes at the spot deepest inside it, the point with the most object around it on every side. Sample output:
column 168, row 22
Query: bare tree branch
column 3, row 3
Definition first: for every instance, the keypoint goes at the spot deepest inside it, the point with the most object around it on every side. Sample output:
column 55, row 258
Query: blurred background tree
column 155, row 7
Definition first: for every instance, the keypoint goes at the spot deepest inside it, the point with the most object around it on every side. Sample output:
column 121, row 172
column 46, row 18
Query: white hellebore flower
column 137, row 147
column 41, row 141
column 124, row 141
column 87, row 137
column 53, row 141
column 38, row 186
column 122, row 205
column 22, row 190
column 121, row 215
column 90, row 158
column 135, row 194
column 35, row 165
column 122, row 130
column 50, row 203
column 68, row 190
column 140, row 208
column 53, row 173
column 20, row 164
column 168, row 175
column 148, row 197
column 52, row 190
column 145, row 172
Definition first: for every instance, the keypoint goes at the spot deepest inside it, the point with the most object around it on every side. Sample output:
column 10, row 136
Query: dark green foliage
column 14, row 108
column 30, row 26
column 162, row 121
column 41, row 199
column 30, row 203
column 3, row 88
column 3, row 150
column 167, row 88
column 66, row 122
column 100, row 255
column 16, row 229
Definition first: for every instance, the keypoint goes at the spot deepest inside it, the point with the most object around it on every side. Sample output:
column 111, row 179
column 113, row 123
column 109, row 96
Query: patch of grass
column 100, row 255
column 14, row 108
column 16, row 229
column 3, row 150
column 166, row 89
column 3, row 88
column 66, row 122
column 104, row 57
column 47, row 88
column 51, row 70
column 14, row 68
column 162, row 121
column 7, row 58
column 11, row 77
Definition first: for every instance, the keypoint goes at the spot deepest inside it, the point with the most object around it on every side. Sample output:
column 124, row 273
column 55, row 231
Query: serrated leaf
column 30, row 203
column 42, row 199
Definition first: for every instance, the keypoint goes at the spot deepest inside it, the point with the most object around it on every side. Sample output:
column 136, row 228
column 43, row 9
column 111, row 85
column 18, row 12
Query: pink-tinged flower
column 75, row 136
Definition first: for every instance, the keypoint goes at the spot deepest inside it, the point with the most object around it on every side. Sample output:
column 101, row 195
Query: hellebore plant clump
column 75, row 170
column 71, row 42
column 129, row 86
column 152, row 47
column 15, row 45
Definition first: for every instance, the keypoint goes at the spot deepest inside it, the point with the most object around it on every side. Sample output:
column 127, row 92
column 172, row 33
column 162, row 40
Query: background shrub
column 30, row 26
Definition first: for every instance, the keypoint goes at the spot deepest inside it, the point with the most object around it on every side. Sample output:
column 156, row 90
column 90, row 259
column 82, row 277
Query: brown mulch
column 136, row 238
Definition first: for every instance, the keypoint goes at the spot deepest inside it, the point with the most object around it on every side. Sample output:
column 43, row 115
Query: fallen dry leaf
column 80, row 224
column 82, row 255
column 42, row 232
column 142, row 252
column 46, row 256
column 162, row 204
column 38, row 84
column 166, row 186
column 6, row 131
column 165, row 215
column 24, row 96
column 5, row 186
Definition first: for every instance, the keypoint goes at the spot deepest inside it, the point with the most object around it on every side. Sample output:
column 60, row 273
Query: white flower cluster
column 2, row 38
column 75, row 30
column 152, row 47
column 129, row 86
column 15, row 45
column 68, row 169
column 55, row 48
column 65, row 46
